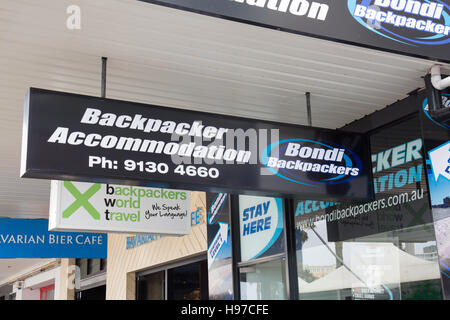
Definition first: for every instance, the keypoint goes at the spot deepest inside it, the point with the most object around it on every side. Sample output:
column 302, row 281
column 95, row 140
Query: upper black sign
column 75, row 137
column 412, row 27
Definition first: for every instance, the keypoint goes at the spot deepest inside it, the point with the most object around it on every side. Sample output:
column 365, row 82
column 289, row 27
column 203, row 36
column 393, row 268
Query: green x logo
column 81, row 200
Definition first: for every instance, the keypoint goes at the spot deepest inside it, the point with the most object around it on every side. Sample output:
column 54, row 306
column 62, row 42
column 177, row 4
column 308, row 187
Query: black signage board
column 82, row 138
column 417, row 28
column 400, row 186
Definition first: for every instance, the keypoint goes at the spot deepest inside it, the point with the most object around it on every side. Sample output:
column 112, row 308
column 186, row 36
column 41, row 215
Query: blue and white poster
column 261, row 226
column 30, row 238
column 436, row 131
column 220, row 269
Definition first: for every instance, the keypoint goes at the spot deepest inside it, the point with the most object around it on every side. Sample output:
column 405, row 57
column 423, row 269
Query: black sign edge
column 25, row 138
column 306, row 34
column 47, row 175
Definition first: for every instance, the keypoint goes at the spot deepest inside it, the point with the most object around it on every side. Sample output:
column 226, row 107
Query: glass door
column 262, row 261
column 264, row 280
column 152, row 286
column 181, row 281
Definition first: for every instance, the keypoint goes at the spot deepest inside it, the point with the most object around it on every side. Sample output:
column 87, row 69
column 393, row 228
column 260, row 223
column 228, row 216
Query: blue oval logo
column 445, row 103
column 310, row 162
column 409, row 22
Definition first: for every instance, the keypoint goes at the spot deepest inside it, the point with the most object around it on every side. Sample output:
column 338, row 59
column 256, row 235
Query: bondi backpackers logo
column 410, row 22
column 310, row 162
column 445, row 122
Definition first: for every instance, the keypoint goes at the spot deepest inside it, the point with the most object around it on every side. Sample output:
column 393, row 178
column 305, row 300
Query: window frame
column 44, row 291
column 289, row 254
column 165, row 268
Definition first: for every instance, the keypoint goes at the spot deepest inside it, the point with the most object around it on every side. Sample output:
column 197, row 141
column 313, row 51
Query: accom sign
column 311, row 162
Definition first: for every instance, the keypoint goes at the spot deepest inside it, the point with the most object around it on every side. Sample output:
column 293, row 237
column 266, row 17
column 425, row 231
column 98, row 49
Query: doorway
column 187, row 280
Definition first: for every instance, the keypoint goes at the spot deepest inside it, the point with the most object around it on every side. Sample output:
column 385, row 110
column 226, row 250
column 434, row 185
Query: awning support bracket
column 308, row 107
column 103, row 85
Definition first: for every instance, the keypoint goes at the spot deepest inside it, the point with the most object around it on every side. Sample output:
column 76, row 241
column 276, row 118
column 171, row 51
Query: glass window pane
column 151, row 286
column 264, row 281
column 381, row 266
column 382, row 249
column 50, row 294
column 93, row 266
column 261, row 226
column 184, row 282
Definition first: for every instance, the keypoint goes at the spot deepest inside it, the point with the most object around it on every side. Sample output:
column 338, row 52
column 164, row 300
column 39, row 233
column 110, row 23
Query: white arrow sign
column 220, row 238
column 440, row 161
column 216, row 206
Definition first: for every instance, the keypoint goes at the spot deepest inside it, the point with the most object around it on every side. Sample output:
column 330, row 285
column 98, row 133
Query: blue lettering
column 245, row 214
column 266, row 206
column 447, row 170
column 267, row 223
column 307, row 208
column 299, row 208
column 400, row 178
column 246, row 229
column 383, row 160
column 382, row 182
column 391, row 181
column 260, row 225
column 195, row 217
column 415, row 174
column 252, row 210
column 324, row 205
column 256, row 226
column 315, row 206
column 258, row 211
column 253, row 227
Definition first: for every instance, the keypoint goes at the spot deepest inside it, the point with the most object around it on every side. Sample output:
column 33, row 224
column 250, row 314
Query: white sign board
column 80, row 206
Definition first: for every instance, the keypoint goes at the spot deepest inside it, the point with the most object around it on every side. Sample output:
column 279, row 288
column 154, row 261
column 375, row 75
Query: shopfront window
column 262, row 268
column 186, row 282
column 47, row 293
column 382, row 249
column 264, row 281
column 177, row 282
column 95, row 293
column 152, row 286
column 91, row 267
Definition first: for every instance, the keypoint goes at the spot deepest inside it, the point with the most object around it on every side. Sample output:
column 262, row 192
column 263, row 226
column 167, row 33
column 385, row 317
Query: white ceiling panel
column 10, row 269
